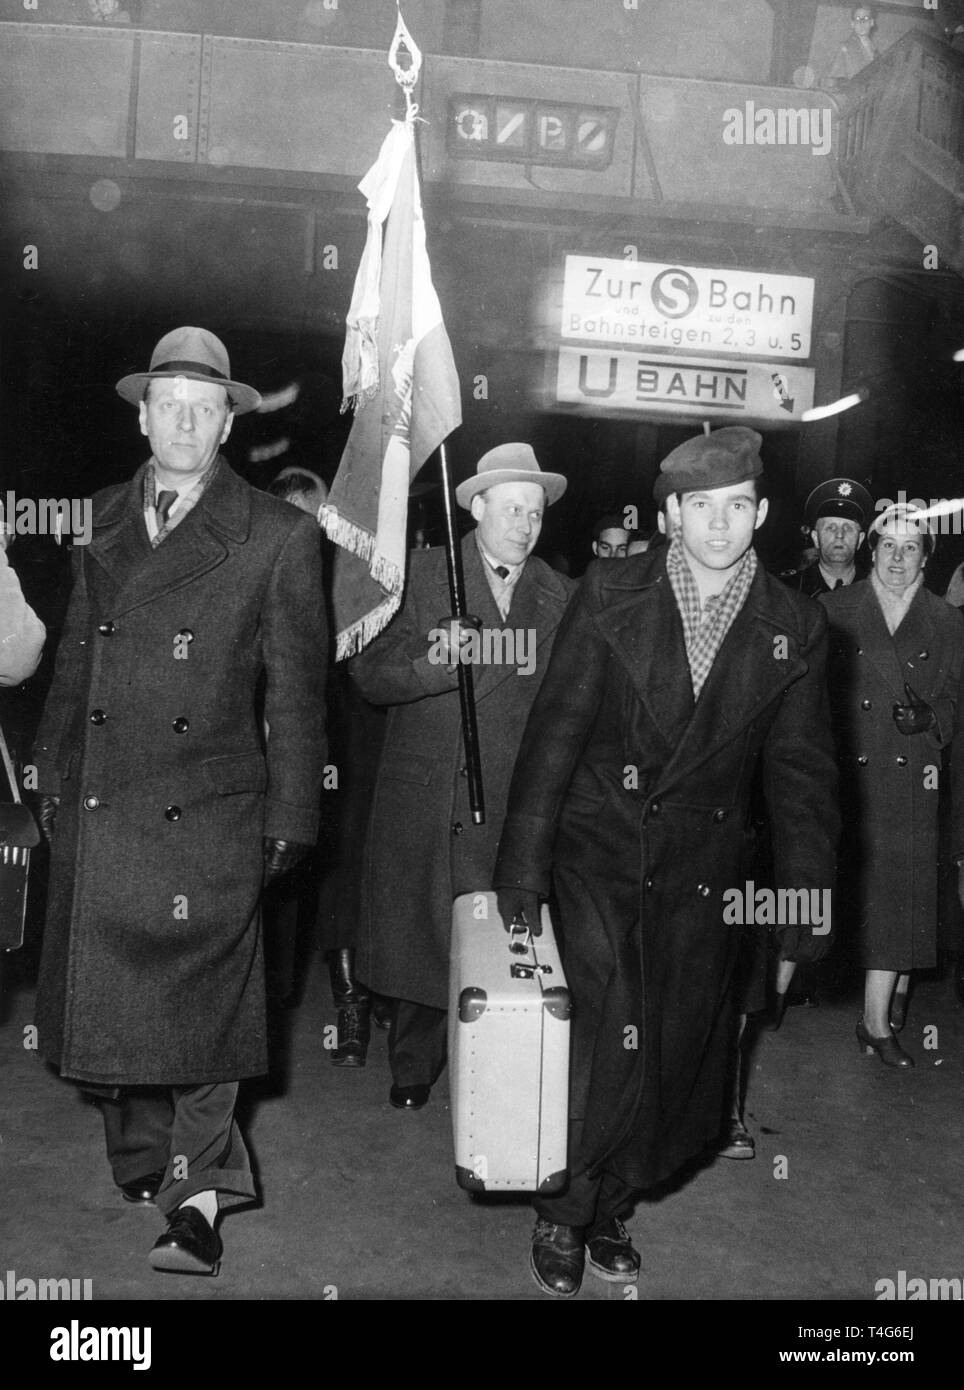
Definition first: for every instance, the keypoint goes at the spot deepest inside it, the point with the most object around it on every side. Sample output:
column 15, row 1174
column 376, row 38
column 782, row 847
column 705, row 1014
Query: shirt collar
column 831, row 579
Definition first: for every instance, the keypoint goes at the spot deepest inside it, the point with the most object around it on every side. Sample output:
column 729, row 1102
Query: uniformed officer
column 838, row 514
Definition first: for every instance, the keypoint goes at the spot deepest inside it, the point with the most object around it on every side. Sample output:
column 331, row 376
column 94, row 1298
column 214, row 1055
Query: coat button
column 703, row 889
column 901, row 761
column 463, row 772
column 98, row 716
column 457, row 827
column 719, row 817
column 866, row 704
column 91, row 803
column 648, row 885
column 185, row 635
column 181, row 725
column 862, row 760
column 106, row 629
column 172, row 813
column 655, row 808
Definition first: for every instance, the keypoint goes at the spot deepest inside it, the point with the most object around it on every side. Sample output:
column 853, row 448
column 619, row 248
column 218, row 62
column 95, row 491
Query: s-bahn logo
column 531, row 132
column 675, row 293
column 643, row 304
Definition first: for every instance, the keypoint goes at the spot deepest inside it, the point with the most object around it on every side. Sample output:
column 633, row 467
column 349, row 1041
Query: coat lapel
column 139, row 574
column 645, row 632
column 878, row 644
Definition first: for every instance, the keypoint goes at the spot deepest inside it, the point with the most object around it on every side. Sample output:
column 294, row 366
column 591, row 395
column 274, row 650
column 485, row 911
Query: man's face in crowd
column 611, row 544
column 899, row 557
column 862, row 23
column 186, row 423
column 509, row 517
column 836, row 539
column 716, row 527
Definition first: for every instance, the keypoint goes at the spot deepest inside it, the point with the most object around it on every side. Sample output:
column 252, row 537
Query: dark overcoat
column 889, row 781
column 633, row 804
column 422, row 848
column 153, row 734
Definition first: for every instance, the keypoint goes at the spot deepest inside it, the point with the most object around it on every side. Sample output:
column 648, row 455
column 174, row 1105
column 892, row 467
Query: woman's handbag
column 18, row 836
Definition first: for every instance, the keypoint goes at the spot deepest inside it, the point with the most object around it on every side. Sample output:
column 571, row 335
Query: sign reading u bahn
column 641, row 383
column 652, row 305
column 531, row 132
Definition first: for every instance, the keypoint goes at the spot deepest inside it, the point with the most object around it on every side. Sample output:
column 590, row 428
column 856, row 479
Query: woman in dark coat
column 896, row 657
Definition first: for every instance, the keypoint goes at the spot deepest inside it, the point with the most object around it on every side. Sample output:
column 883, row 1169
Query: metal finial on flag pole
column 407, row 78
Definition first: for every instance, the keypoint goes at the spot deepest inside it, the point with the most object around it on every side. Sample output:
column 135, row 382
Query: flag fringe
column 358, row 541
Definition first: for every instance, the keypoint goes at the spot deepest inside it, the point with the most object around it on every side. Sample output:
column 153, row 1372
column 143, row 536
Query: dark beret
column 709, row 461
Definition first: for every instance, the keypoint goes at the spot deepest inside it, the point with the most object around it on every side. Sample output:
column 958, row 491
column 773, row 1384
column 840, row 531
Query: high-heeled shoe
column 898, row 1010
column 887, row 1049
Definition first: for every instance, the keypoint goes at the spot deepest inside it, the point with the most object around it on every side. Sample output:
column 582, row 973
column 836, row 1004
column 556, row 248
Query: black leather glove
column 519, row 903
column 280, row 856
column 453, row 634
column 47, row 815
column 914, row 717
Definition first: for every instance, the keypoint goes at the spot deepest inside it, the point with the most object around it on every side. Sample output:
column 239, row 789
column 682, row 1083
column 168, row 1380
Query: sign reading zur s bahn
column 646, row 304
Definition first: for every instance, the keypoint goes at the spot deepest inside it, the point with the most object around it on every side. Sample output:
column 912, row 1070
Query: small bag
column 18, row 835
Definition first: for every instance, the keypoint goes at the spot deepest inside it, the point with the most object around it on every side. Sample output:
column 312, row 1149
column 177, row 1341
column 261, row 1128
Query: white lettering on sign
column 644, row 303
column 604, row 380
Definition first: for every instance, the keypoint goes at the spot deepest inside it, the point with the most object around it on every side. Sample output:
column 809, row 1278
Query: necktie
column 838, row 584
column 165, row 500
column 501, row 571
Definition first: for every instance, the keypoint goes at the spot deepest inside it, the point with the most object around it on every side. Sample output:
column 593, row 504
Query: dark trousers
column 416, row 1043
column 188, row 1131
column 586, row 1201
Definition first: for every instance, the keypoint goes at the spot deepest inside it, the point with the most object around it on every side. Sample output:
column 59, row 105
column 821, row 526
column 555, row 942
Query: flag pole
column 407, row 79
column 470, row 727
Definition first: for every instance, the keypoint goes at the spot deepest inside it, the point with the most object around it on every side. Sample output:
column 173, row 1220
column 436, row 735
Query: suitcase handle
column 519, row 947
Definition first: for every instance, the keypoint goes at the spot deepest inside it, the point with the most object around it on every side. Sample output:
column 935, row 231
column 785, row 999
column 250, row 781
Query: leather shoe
column 737, row 1142
column 610, row 1252
column 188, row 1246
column 381, row 1011
column 142, row 1191
column 409, row 1097
column 887, row 1049
column 557, row 1258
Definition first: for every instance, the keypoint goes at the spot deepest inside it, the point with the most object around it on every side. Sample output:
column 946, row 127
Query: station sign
column 655, row 305
column 646, row 384
column 531, row 132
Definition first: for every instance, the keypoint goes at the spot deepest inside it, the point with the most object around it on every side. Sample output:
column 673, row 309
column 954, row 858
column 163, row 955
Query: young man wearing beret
column 676, row 677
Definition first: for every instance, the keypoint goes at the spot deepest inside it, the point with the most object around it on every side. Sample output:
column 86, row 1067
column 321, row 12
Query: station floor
column 858, row 1175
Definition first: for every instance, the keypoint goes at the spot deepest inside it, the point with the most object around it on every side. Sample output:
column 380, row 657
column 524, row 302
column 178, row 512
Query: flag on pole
column 400, row 378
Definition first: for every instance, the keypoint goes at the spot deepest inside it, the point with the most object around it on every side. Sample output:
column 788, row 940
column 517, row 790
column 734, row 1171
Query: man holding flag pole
column 429, row 838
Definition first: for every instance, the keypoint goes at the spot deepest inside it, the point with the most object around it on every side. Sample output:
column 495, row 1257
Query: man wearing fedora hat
column 422, row 848
column 675, row 678
column 838, row 514
column 180, row 759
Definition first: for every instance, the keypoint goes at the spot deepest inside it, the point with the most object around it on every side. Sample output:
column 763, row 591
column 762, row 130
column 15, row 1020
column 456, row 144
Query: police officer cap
column 839, row 497
column 709, row 461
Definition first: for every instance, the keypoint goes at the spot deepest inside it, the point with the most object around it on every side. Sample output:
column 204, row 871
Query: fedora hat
column 198, row 355
column 510, row 463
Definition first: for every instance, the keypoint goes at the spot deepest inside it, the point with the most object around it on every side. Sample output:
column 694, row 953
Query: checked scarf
column 704, row 628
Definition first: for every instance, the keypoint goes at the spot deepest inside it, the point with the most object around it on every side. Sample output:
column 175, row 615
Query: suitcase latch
column 518, row 971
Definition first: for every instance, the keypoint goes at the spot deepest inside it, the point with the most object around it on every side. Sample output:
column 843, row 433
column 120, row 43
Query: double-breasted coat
column 632, row 804
column 889, row 781
column 422, row 849
column 154, row 736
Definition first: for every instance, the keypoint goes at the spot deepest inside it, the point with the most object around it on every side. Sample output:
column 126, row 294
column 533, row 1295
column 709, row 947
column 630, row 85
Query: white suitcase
column 509, row 1013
